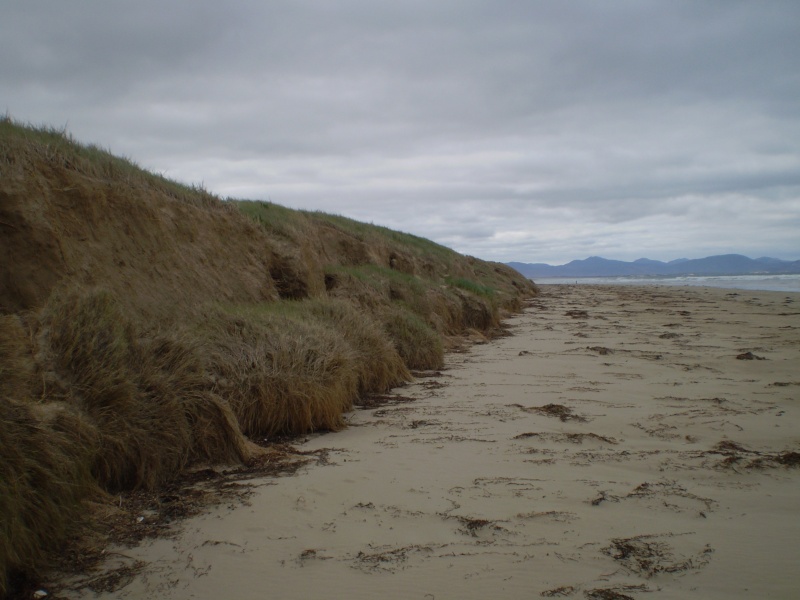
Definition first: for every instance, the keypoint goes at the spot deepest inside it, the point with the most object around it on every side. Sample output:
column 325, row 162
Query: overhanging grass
column 44, row 475
column 130, row 387
column 418, row 344
column 292, row 367
column 282, row 375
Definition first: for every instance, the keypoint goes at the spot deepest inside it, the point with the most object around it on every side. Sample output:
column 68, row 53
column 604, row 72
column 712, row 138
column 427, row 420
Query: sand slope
column 612, row 447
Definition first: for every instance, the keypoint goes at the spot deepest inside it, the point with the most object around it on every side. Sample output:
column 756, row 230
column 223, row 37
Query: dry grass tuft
column 17, row 369
column 111, row 379
column 282, row 375
column 44, row 474
column 172, row 368
column 378, row 364
column 416, row 342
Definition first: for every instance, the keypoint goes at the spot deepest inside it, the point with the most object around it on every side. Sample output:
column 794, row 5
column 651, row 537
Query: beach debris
column 661, row 489
column 39, row 594
column 659, row 430
column 564, row 590
column 681, row 399
column 749, row 356
column 577, row 314
column 766, row 460
column 575, row 438
column 607, row 594
column 649, row 555
column 731, row 451
column 552, row 410
column 220, row 543
column 387, row 558
column 472, row 526
column 601, row 350
column 186, row 496
column 433, row 385
column 578, row 438
column 726, row 446
column 603, row 497
column 377, row 400
column 790, row 459
column 559, row 410
column 112, row 580
column 615, row 593
column 669, row 335
column 311, row 554
column 735, row 455
column 554, row 516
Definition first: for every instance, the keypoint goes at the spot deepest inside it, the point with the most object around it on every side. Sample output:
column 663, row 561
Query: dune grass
column 147, row 327
column 45, row 467
column 281, row 375
column 417, row 343
column 294, row 367
column 21, row 145
column 471, row 286
column 44, row 476
column 129, row 386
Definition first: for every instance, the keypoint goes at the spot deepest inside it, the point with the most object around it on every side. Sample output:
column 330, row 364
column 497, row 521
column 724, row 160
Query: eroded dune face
column 147, row 327
column 151, row 250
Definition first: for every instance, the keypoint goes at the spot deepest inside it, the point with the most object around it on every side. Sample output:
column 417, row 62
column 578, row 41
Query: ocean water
column 775, row 283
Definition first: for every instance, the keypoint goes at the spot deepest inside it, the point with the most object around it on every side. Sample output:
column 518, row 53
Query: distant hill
column 596, row 266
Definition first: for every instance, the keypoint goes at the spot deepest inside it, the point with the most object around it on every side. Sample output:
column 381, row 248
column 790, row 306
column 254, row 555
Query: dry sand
column 612, row 447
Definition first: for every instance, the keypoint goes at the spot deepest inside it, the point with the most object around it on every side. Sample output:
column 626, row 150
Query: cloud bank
column 509, row 130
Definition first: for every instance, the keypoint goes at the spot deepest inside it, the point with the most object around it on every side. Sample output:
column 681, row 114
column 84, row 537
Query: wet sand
column 613, row 447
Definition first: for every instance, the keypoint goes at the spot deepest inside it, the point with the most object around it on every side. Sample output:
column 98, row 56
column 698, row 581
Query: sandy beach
column 621, row 442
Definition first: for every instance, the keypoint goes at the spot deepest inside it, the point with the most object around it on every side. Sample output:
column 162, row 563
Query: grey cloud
column 517, row 130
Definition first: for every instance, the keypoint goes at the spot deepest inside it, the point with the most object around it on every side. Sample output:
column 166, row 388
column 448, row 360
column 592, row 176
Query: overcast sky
column 532, row 131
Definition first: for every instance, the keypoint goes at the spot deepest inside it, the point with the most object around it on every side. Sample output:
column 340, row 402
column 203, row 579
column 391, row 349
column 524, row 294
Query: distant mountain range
column 596, row 266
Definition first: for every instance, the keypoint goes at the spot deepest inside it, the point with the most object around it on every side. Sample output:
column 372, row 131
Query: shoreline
column 614, row 444
column 789, row 283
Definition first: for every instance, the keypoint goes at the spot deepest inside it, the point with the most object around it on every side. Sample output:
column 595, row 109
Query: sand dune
column 622, row 443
